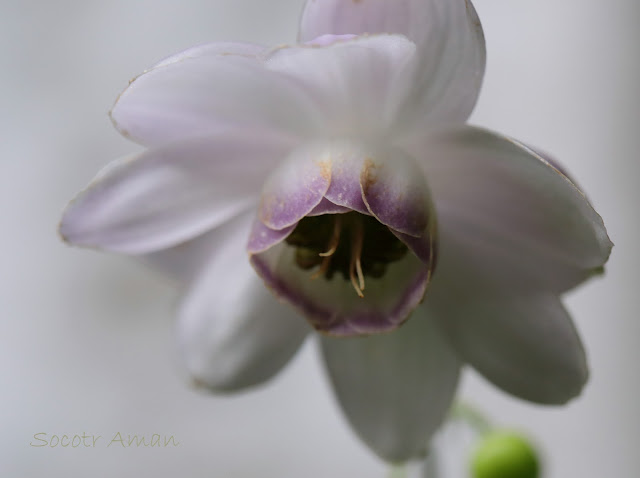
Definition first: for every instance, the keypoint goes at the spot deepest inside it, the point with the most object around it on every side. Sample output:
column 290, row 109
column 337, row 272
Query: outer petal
column 396, row 388
column 232, row 333
column 208, row 89
column 171, row 194
column 449, row 39
column 510, row 212
column 525, row 344
column 248, row 50
column 357, row 83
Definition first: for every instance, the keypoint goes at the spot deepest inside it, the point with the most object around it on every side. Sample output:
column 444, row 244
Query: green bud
column 505, row 454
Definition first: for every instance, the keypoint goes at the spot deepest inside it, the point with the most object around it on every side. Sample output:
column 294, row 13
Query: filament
column 355, row 266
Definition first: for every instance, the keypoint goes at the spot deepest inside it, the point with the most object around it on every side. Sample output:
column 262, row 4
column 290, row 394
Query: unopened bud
column 505, row 454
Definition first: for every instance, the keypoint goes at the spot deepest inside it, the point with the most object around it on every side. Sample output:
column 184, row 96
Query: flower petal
column 209, row 90
column 396, row 388
column 357, row 83
column 184, row 262
column 171, row 194
column 231, row 331
column 396, row 193
column 526, row 345
column 295, row 188
column 450, row 46
column 262, row 237
column 249, row 50
column 332, row 306
column 327, row 207
column 368, row 177
column 510, row 212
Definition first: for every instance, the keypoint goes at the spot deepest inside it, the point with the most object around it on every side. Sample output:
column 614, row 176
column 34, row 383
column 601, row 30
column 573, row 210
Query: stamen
column 360, row 274
column 355, row 266
column 335, row 237
column 324, row 267
column 355, row 284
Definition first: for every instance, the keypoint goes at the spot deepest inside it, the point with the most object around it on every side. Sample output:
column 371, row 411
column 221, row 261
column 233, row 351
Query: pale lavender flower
column 343, row 170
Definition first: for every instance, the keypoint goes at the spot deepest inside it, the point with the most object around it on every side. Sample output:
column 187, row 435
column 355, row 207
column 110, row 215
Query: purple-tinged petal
column 295, row 187
column 395, row 389
column 332, row 306
column 346, row 166
column 450, row 43
column 211, row 91
column 378, row 180
column 232, row 333
column 327, row 207
column 395, row 191
column 262, row 237
column 358, row 84
column 425, row 247
column 510, row 212
column 171, row 194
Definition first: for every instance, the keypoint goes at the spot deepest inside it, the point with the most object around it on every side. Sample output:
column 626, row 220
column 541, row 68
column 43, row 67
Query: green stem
column 398, row 471
column 476, row 419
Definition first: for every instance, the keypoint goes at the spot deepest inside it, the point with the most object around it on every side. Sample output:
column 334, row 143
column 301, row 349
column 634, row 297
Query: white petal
column 183, row 262
column 209, row 90
column 249, row 50
column 171, row 194
column 232, row 333
column 357, row 83
column 396, row 388
column 449, row 39
column 525, row 344
column 510, row 213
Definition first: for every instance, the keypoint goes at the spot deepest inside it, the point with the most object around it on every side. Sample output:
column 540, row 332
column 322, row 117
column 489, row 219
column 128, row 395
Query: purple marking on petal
column 376, row 322
column 344, row 189
column 381, row 310
column 294, row 188
column 262, row 237
column 327, row 207
column 425, row 247
column 396, row 193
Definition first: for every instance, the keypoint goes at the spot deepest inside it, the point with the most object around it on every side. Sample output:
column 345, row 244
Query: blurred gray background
column 87, row 337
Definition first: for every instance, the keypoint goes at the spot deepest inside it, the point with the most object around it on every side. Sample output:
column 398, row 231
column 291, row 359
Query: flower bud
column 505, row 454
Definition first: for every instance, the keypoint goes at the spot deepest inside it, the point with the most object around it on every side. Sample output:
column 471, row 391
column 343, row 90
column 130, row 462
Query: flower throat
column 352, row 244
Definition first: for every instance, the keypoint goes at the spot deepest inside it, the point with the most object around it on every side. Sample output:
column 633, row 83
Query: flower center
column 336, row 243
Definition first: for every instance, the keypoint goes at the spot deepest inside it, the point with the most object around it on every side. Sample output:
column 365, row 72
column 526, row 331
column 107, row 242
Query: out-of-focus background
column 86, row 338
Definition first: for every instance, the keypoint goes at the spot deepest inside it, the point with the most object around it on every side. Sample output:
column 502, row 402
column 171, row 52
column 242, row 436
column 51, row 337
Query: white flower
column 339, row 156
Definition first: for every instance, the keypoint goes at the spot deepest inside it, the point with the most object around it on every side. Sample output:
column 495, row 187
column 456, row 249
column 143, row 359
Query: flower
column 346, row 166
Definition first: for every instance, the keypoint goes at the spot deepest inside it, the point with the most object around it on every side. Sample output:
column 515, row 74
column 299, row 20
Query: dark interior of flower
column 353, row 244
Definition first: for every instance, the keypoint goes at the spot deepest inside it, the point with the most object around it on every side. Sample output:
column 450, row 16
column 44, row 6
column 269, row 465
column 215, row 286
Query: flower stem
column 398, row 471
column 471, row 415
